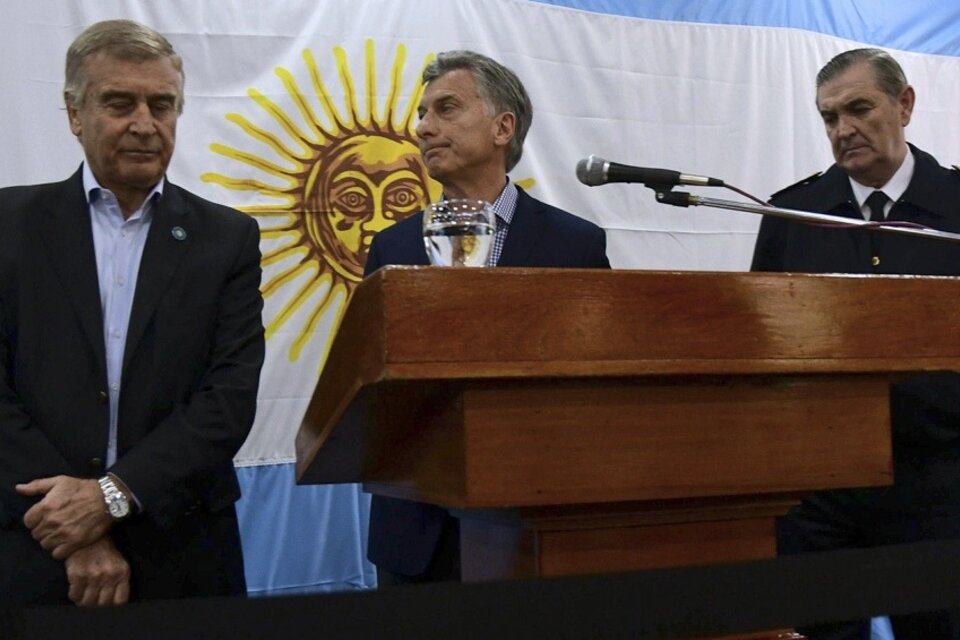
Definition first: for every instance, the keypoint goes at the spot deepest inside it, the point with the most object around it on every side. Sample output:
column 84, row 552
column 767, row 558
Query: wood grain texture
column 528, row 317
column 571, row 441
column 589, row 421
column 432, row 325
column 590, row 550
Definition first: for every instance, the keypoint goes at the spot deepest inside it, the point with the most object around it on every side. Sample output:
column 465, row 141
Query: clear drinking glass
column 459, row 233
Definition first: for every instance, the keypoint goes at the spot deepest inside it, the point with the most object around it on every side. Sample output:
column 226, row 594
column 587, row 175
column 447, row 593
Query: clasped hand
column 70, row 515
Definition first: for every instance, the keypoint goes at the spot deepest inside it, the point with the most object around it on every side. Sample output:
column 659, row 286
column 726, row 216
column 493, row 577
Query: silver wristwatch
column 118, row 506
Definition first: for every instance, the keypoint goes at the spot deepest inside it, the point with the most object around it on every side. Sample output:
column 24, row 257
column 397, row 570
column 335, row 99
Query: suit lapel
column 837, row 196
column 522, row 237
column 67, row 235
column 167, row 242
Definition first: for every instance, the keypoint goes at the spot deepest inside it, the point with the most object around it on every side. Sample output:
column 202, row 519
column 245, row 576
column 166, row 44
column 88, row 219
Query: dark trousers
column 860, row 518
column 28, row 575
column 199, row 556
column 444, row 567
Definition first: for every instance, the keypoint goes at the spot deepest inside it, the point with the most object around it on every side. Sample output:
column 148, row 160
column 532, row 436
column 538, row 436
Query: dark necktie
column 876, row 201
column 875, row 204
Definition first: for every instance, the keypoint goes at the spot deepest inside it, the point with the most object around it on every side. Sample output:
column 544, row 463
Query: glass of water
column 459, row 233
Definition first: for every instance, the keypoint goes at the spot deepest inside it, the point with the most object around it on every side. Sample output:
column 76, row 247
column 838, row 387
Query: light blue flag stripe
column 922, row 26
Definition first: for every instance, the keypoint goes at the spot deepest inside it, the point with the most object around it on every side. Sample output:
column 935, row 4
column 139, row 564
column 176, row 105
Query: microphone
column 593, row 171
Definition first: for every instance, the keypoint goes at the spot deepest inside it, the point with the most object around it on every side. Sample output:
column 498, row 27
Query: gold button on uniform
column 875, row 260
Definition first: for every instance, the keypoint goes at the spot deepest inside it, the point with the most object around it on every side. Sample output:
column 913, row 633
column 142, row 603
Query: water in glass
column 459, row 233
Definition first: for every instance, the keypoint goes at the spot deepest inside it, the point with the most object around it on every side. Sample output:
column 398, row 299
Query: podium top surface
column 415, row 322
column 439, row 326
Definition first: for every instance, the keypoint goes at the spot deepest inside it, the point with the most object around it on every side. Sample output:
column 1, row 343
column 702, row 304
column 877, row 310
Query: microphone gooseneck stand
column 666, row 195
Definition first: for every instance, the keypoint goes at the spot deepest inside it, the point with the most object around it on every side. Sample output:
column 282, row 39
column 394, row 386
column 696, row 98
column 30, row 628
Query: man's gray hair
column 120, row 39
column 499, row 87
column 889, row 75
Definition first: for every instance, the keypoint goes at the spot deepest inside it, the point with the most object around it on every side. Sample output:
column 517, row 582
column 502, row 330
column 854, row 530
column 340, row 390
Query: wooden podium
column 584, row 421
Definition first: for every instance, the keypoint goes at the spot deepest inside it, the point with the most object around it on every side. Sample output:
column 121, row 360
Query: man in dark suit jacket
column 474, row 116
column 866, row 102
column 131, row 344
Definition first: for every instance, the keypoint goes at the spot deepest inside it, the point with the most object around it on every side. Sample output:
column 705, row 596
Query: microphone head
column 591, row 171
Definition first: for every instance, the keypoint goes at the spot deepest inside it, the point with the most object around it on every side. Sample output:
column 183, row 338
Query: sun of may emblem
column 346, row 176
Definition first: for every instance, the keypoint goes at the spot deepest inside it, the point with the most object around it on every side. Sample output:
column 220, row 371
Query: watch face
column 118, row 506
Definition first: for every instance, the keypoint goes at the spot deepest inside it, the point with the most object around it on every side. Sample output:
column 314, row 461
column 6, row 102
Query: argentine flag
column 723, row 88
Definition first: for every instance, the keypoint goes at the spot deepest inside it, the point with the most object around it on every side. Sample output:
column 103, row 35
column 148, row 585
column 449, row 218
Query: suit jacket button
column 102, row 397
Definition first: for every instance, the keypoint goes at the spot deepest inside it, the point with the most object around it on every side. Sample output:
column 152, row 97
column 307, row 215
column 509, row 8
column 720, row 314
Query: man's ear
column 73, row 116
column 506, row 124
column 907, row 99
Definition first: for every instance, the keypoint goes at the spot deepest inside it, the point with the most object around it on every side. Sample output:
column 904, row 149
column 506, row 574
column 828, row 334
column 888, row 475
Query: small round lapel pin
column 178, row 233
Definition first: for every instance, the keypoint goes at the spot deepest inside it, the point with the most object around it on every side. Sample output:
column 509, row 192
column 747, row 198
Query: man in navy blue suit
column 474, row 116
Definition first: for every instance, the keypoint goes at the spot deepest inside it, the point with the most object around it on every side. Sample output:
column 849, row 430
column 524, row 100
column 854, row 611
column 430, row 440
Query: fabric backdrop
column 286, row 100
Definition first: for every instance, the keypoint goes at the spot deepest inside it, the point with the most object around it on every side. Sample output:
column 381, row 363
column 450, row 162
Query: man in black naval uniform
column 865, row 102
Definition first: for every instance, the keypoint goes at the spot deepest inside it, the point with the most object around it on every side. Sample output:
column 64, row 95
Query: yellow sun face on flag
column 346, row 177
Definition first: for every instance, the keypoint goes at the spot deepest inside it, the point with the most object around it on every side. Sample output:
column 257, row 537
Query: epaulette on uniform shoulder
column 804, row 182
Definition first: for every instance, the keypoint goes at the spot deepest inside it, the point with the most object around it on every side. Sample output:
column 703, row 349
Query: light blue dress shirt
column 118, row 244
